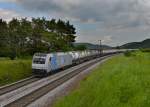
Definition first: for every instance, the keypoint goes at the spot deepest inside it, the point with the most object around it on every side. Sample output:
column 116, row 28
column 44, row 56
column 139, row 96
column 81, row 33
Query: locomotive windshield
column 39, row 60
column 41, row 54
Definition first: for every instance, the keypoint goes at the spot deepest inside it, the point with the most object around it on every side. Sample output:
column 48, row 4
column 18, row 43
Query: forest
column 22, row 37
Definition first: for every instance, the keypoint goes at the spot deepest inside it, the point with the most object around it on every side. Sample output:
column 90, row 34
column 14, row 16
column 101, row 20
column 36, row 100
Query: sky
column 115, row 22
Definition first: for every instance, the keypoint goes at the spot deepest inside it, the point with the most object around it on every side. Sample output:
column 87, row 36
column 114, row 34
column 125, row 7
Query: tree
column 14, row 37
column 63, row 35
column 70, row 29
column 70, row 32
column 22, row 36
column 3, row 38
column 51, row 25
column 38, row 28
column 3, row 32
column 25, row 34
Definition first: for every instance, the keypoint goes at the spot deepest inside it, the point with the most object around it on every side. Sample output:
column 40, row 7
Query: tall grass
column 120, row 82
column 14, row 70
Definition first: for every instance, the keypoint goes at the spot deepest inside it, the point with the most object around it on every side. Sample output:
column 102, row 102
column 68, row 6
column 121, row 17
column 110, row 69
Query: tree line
column 23, row 37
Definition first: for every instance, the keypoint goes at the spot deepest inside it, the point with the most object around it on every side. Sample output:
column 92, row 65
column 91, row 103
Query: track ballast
column 29, row 98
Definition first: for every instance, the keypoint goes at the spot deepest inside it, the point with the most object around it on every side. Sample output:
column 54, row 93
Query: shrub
column 145, row 50
column 12, row 55
column 128, row 54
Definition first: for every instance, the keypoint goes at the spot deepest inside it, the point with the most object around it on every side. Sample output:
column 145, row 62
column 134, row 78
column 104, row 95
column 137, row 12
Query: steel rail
column 16, row 85
column 33, row 96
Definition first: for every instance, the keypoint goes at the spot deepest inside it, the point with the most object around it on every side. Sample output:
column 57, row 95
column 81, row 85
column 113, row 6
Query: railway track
column 36, row 94
column 14, row 86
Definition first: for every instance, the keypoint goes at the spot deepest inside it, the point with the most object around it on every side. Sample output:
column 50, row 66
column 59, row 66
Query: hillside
column 134, row 45
column 92, row 46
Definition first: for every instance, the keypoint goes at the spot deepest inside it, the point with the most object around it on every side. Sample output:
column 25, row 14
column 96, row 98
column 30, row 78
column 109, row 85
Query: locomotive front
column 39, row 67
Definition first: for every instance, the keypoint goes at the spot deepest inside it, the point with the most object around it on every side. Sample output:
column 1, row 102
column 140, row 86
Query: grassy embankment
column 119, row 82
column 14, row 70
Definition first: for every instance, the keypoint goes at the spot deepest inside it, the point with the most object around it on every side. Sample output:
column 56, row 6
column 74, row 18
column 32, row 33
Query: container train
column 47, row 63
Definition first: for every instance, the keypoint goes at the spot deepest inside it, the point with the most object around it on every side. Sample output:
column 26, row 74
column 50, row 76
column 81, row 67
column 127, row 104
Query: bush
column 12, row 55
column 8, row 53
column 128, row 54
column 145, row 50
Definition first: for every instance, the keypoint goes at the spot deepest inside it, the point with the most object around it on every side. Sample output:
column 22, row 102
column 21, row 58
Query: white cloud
column 113, row 13
column 8, row 14
column 8, row 0
column 107, row 39
column 116, row 21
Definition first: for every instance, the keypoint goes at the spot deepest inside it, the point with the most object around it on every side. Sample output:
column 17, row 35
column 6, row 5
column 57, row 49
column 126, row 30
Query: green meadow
column 14, row 70
column 122, row 81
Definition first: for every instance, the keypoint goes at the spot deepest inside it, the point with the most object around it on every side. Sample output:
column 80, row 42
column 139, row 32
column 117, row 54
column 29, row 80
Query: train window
column 39, row 60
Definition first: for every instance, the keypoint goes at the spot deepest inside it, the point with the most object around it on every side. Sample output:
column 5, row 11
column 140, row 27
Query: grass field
column 14, row 70
column 119, row 82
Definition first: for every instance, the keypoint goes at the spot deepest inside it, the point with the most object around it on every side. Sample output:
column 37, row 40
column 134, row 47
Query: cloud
column 115, row 21
column 107, row 39
column 8, row 0
column 8, row 14
column 113, row 13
